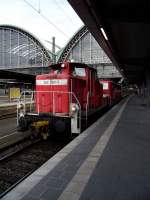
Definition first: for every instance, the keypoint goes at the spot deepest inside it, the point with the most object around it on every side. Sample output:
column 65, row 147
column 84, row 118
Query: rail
column 17, row 147
column 13, row 138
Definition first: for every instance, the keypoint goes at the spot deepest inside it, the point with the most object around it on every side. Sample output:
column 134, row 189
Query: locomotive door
column 91, row 89
column 77, row 88
column 60, row 97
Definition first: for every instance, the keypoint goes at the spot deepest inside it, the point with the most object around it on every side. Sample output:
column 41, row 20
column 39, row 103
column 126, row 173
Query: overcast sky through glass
column 43, row 18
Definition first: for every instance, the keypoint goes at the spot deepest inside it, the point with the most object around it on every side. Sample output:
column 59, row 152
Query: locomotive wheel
column 60, row 126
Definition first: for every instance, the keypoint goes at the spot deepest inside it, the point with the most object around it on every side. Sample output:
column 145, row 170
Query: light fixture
column 104, row 34
column 62, row 65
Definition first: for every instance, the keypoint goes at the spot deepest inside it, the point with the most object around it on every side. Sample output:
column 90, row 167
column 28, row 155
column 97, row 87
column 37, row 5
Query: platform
column 7, row 125
column 109, row 161
column 7, row 103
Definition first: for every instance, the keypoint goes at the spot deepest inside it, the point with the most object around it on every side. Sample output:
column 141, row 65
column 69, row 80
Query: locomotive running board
column 32, row 114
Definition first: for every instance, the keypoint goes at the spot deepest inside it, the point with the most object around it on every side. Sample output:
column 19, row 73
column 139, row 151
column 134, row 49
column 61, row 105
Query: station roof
column 27, row 78
column 29, row 35
column 127, row 27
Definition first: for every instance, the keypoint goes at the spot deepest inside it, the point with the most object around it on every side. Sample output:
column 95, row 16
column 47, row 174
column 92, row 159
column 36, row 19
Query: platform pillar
column 147, row 89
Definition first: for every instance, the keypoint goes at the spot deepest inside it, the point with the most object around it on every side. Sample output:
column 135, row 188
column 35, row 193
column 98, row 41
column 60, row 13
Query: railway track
column 15, row 148
column 20, row 156
column 16, row 166
column 8, row 111
column 6, row 116
column 13, row 138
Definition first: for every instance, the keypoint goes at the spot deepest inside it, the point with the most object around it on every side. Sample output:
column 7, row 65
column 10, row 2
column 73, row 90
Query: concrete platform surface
column 109, row 161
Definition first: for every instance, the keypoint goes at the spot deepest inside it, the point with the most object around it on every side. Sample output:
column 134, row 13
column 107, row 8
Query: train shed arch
column 21, row 51
column 82, row 47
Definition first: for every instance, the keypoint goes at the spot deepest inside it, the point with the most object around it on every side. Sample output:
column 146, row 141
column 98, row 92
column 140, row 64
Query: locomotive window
column 50, row 69
column 58, row 71
column 79, row 72
column 105, row 86
column 55, row 70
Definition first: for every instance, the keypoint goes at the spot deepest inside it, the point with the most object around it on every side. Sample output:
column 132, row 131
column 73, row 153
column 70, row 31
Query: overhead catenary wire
column 55, row 44
column 44, row 17
column 39, row 7
column 60, row 8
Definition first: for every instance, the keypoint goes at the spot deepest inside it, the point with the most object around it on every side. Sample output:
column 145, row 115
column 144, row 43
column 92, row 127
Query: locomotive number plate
column 52, row 82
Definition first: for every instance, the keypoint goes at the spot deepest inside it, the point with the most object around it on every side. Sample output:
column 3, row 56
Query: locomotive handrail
column 49, row 92
column 24, row 103
column 87, row 106
column 62, row 92
column 23, row 94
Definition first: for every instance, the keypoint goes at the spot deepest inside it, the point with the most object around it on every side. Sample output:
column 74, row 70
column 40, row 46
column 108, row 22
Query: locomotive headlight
column 20, row 106
column 21, row 109
column 21, row 114
column 73, row 108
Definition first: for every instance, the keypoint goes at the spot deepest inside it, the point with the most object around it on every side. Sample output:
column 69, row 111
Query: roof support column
column 147, row 89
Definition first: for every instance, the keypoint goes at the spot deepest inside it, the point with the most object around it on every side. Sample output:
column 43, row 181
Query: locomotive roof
column 110, row 81
column 74, row 63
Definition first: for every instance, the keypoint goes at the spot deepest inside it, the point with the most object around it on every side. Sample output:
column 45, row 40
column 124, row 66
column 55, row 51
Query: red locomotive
column 112, row 91
column 63, row 99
